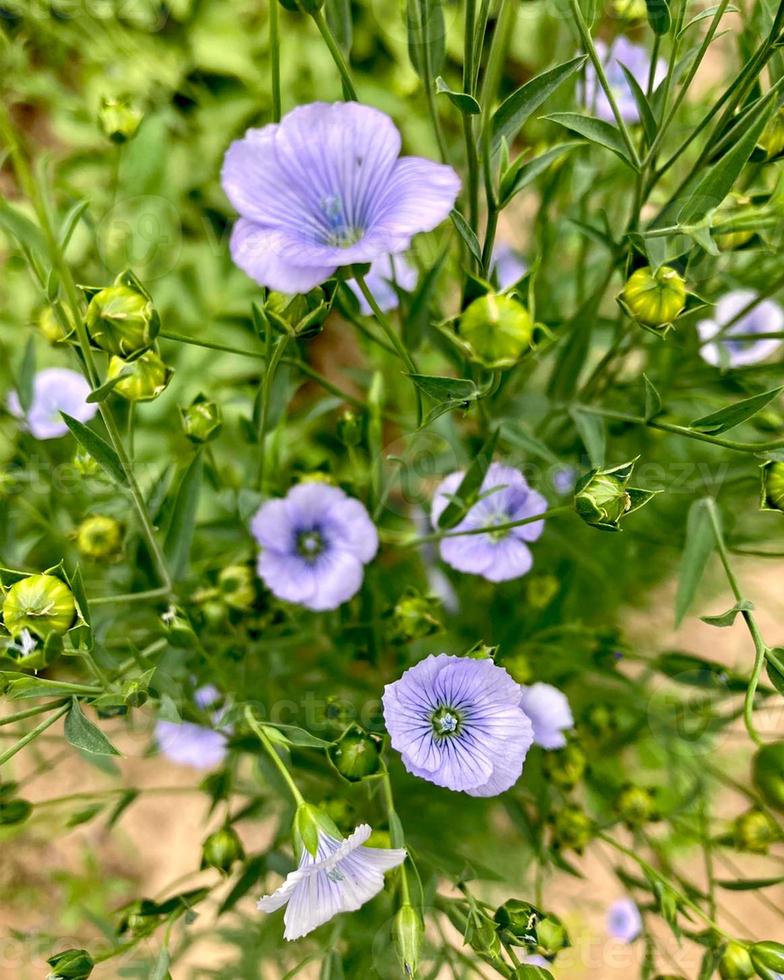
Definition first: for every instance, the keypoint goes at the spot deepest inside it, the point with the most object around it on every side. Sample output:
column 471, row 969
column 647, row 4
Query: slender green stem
column 108, row 600
column 337, row 55
column 491, row 529
column 274, row 53
column 472, row 157
column 262, row 736
column 275, row 353
column 30, row 712
column 34, row 733
column 395, row 827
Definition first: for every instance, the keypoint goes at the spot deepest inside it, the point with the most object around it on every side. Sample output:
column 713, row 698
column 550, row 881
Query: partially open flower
column 99, row 537
column 624, row 921
column 40, row 604
column 655, row 297
column 144, row 378
column 498, row 330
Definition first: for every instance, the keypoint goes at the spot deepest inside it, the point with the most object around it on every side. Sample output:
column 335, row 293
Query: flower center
column 341, row 233
column 446, row 721
column 310, row 544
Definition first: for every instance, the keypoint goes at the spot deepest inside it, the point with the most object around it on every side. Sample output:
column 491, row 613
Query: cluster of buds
column 767, row 770
column 356, row 754
column 497, row 330
column 654, row 297
column 202, row 420
column 297, row 316
column 603, row 498
column 520, row 924
column 99, row 537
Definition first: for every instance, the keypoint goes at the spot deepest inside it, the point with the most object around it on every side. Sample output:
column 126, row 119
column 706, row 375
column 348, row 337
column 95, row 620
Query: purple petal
column 263, row 255
column 418, row 197
column 549, row 711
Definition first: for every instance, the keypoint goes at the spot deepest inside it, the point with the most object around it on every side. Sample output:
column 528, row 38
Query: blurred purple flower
column 326, row 188
column 508, row 266
column 624, row 921
column 765, row 317
column 505, row 497
column 315, row 543
column 637, row 59
column 564, row 479
column 206, row 695
column 550, row 714
column 55, row 390
column 190, row 745
column 341, row 877
column 457, row 722
column 383, row 273
column 536, row 960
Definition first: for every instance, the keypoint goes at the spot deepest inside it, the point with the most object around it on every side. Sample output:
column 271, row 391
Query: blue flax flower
column 624, row 921
column 55, row 390
column 458, row 723
column 504, row 497
column 326, row 188
column 315, row 543
column 550, row 714
column 718, row 335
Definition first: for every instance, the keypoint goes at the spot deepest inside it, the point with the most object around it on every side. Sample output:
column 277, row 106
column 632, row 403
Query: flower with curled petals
column 504, row 497
column 55, row 390
column 720, row 345
column 550, row 714
column 315, row 543
column 340, row 877
column 326, row 188
column 457, row 722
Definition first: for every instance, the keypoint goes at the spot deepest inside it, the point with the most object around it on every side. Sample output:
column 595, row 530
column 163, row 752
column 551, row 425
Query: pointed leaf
column 455, row 510
column 71, row 221
column 523, row 172
column 426, row 37
column 728, row 418
column 728, row 618
column 84, row 735
column 26, row 378
column 596, row 130
column 467, row 233
column 653, row 402
column 643, row 106
column 183, row 519
column 98, row 448
column 467, row 104
column 593, row 434
column 700, row 542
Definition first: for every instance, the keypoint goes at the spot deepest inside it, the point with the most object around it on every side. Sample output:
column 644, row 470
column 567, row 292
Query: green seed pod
column 551, row 936
column 146, row 377
column 517, row 923
column 355, row 755
column 768, row 959
column 41, row 604
column 13, row 812
column 178, row 629
column 122, row 320
column 572, row 829
column 655, row 297
column 603, row 497
column 237, row 584
column 772, row 486
column 202, row 420
column 408, row 934
column 772, row 139
column 767, row 771
column 72, row 964
column 414, row 618
column 221, row 849
column 119, row 119
column 636, row 806
column 498, row 330
column 754, row 831
column 565, row 767
column 735, row 963
column 99, row 538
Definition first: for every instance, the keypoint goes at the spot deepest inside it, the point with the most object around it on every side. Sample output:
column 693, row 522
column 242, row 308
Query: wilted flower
column 634, row 57
column 325, row 188
column 315, row 543
column 550, row 714
column 385, row 273
column 457, row 722
column 718, row 346
column 340, row 877
column 55, row 390
column 505, row 497
column 508, row 265
column 624, row 921
column 189, row 744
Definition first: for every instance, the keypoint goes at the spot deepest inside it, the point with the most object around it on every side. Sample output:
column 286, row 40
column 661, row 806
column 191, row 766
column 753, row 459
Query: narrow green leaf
column 467, row 233
column 102, row 393
column 177, row 547
column 749, row 884
column 659, row 16
column 510, row 117
column 595, row 130
column 160, row 970
column 728, row 418
column 20, row 227
column 469, row 487
column 700, row 542
column 84, row 735
column 457, row 390
column 647, row 118
column 467, row 104
column 426, row 37
column 339, row 19
column 528, row 972
column 416, row 323
column 523, row 172
column 71, row 221
column 728, row 618
column 98, row 448
column 26, row 377
column 593, row 434
column 254, row 867
column 653, row 402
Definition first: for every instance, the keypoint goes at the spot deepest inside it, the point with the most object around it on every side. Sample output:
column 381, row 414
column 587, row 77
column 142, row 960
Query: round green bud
column 551, row 936
column 145, row 378
column 735, row 963
column 655, row 297
column 636, row 806
column 237, row 585
column 119, row 119
column 565, row 767
column 413, row 618
column 498, row 330
column 517, row 922
column 72, row 964
column 41, row 604
column 754, row 831
column 14, row 812
column 139, row 918
column 302, row 6
column 572, row 829
column 768, row 958
column 772, row 486
column 767, row 773
column 178, row 629
column 221, row 849
column 122, row 321
column 481, row 936
column 355, row 755
column 772, row 139
column 99, row 538
column 408, row 934
column 602, row 500
column 202, row 420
